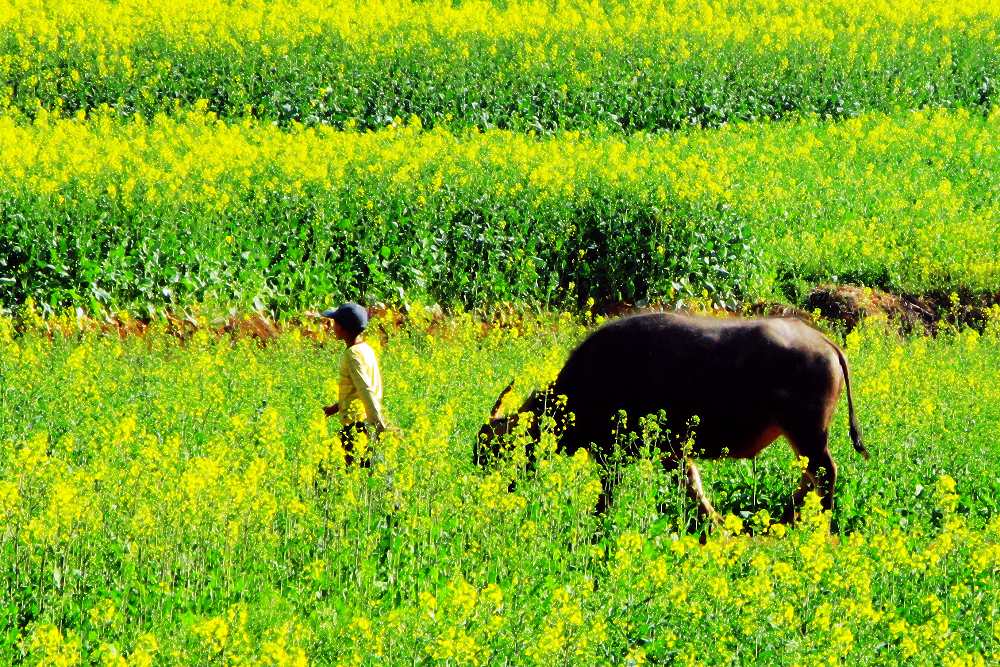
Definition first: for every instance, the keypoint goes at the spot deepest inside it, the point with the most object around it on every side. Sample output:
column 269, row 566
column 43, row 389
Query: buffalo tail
column 855, row 431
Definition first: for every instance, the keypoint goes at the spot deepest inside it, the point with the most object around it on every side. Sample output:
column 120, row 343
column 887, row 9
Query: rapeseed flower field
column 110, row 213
column 169, row 502
column 490, row 174
column 518, row 64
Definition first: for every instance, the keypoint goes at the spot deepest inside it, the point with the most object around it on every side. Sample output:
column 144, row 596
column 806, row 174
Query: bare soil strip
column 841, row 307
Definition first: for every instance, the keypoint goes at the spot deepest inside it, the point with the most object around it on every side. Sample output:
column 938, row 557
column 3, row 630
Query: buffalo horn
column 494, row 413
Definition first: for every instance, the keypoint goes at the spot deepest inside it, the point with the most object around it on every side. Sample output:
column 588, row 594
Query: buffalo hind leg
column 820, row 473
column 692, row 482
column 691, row 479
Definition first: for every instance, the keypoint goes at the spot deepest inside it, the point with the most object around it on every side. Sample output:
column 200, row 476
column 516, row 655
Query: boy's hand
column 331, row 410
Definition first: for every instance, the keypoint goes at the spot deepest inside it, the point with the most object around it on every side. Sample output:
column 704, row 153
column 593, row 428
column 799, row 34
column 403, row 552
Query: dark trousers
column 349, row 435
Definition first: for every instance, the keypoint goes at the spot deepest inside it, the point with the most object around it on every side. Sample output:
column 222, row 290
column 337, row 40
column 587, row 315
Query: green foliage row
column 513, row 65
column 101, row 212
column 185, row 503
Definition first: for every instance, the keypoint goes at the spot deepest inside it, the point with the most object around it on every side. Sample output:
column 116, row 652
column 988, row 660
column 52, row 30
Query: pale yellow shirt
column 360, row 396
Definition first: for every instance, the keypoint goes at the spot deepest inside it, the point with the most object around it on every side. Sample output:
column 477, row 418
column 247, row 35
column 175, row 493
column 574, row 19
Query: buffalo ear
column 495, row 412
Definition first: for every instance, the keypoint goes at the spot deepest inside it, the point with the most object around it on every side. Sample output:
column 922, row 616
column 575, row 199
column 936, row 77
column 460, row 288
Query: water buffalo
column 747, row 381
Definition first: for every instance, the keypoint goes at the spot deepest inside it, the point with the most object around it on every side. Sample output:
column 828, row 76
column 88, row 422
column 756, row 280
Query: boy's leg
column 348, row 438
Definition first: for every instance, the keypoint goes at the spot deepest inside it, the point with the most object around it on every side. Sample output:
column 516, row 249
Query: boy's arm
column 373, row 406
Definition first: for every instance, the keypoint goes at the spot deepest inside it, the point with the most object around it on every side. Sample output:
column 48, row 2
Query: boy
column 360, row 397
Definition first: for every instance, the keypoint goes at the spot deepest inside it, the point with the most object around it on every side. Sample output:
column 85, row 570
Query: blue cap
column 351, row 316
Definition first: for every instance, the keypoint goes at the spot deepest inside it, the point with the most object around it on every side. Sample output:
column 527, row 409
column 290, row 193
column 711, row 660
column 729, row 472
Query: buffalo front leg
column 607, row 492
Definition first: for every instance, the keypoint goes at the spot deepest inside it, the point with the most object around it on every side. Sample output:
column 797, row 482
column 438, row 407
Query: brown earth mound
column 850, row 304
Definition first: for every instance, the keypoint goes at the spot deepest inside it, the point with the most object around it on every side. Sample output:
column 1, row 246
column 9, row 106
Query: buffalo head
column 541, row 411
column 486, row 446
